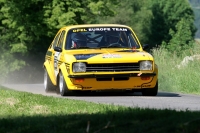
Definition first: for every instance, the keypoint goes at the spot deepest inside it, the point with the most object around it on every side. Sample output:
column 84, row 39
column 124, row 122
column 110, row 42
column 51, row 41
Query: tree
column 133, row 13
column 27, row 27
column 166, row 16
column 180, row 37
column 197, row 20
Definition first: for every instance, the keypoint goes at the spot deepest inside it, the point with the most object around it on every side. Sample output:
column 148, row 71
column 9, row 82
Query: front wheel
column 150, row 91
column 62, row 85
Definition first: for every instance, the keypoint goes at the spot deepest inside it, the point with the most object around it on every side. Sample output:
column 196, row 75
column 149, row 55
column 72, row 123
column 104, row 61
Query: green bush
column 178, row 73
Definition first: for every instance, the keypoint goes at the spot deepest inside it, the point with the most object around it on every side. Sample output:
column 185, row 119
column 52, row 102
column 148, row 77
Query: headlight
column 79, row 67
column 146, row 65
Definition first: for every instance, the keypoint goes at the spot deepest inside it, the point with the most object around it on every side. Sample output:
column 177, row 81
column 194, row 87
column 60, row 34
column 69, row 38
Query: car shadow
column 120, row 93
column 168, row 94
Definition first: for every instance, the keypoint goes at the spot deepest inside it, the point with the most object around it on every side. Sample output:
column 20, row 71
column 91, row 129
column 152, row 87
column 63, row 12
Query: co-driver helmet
column 79, row 40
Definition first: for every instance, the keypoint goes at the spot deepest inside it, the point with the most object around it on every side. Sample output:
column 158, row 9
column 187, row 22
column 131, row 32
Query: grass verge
column 23, row 112
column 173, row 75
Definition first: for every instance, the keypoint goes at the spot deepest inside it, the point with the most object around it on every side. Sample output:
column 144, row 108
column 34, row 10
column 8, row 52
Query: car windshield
column 105, row 37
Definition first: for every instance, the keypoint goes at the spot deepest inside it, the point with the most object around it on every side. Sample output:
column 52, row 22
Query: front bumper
column 113, row 75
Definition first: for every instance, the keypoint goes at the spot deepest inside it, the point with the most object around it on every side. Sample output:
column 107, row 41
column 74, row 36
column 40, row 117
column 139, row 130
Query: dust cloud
column 32, row 73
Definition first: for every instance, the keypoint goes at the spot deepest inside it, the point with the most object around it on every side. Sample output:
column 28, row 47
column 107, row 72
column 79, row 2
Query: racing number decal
column 56, row 59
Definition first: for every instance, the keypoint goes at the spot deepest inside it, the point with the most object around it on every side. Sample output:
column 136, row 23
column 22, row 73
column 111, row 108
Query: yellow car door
column 52, row 52
column 58, row 51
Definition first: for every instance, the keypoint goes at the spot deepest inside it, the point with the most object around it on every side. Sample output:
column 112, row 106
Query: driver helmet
column 79, row 40
column 112, row 37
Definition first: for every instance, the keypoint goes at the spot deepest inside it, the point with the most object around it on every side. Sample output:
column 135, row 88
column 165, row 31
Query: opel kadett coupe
column 98, row 57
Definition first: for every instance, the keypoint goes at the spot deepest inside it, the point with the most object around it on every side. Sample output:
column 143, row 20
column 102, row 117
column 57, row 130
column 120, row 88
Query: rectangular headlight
column 146, row 65
column 79, row 67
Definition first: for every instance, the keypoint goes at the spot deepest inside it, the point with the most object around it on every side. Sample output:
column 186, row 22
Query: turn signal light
column 79, row 79
column 145, row 78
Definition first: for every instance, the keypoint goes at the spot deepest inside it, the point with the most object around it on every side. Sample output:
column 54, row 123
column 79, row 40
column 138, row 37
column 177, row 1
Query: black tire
column 150, row 91
column 48, row 85
column 62, row 85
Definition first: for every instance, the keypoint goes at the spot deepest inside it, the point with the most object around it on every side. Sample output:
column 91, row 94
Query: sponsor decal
column 111, row 56
column 107, row 29
column 79, row 30
column 139, row 86
column 99, row 29
column 56, row 59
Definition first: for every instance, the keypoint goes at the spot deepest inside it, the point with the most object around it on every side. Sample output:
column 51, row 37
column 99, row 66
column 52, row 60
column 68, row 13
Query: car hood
column 109, row 56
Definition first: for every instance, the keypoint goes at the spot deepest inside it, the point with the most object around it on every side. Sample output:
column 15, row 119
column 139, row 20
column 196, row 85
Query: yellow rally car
column 97, row 57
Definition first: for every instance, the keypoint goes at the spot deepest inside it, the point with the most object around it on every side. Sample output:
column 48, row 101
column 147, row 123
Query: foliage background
column 196, row 8
column 27, row 27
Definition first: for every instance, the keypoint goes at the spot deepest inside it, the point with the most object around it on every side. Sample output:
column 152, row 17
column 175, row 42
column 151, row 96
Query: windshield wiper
column 85, row 47
column 110, row 47
column 102, row 47
column 113, row 47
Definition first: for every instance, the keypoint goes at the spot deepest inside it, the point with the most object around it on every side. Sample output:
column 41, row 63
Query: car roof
column 94, row 25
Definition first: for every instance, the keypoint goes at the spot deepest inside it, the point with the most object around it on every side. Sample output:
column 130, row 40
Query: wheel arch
column 63, row 69
column 49, row 71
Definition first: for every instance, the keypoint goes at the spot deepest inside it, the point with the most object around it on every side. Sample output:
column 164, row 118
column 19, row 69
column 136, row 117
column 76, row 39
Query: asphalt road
column 163, row 100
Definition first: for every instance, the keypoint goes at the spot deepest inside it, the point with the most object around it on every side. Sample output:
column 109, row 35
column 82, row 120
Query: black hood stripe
column 85, row 56
column 129, row 50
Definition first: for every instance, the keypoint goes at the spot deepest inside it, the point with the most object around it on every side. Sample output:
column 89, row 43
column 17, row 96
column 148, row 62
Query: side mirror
column 57, row 49
column 145, row 47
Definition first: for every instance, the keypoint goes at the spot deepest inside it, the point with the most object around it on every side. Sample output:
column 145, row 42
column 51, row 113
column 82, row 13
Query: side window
column 55, row 41
column 60, row 42
column 124, row 39
column 133, row 41
column 68, row 42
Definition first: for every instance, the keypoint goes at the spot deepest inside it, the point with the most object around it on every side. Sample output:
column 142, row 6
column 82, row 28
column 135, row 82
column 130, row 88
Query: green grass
column 173, row 79
column 22, row 112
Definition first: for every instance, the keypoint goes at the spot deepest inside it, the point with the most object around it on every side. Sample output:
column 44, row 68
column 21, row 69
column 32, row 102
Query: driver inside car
column 78, row 41
column 112, row 37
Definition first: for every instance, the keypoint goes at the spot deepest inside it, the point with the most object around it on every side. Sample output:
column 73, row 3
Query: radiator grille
column 112, row 67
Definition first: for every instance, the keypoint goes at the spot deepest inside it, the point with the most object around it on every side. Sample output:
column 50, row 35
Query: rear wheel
column 48, row 85
column 150, row 91
column 62, row 85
